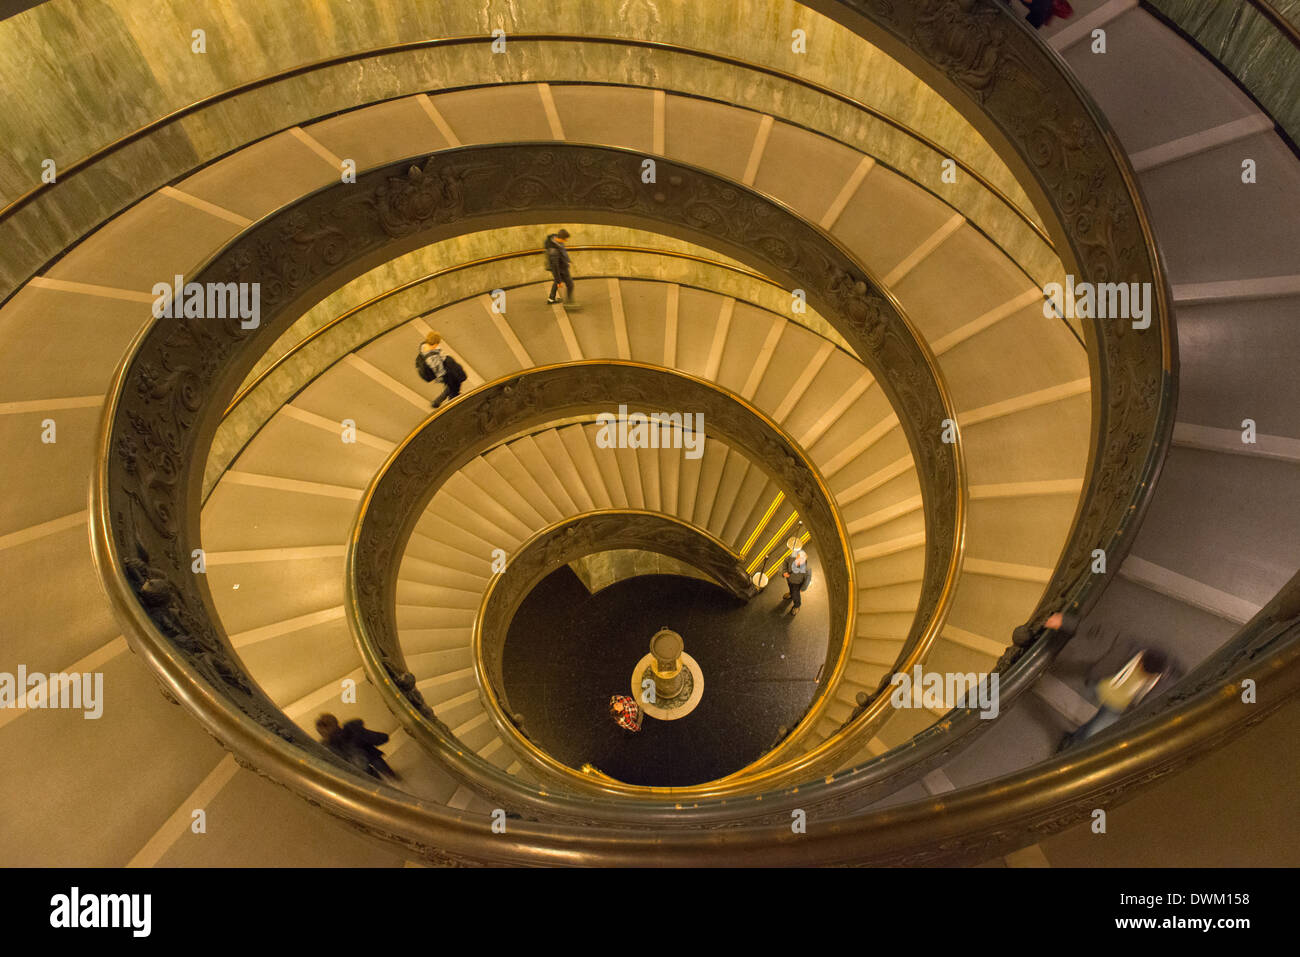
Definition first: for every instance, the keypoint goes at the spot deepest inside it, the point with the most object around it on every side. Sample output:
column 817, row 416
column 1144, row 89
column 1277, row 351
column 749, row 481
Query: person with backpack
column 798, row 576
column 433, row 366
column 557, row 261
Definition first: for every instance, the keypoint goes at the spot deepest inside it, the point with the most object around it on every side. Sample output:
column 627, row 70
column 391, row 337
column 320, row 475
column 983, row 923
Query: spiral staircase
column 840, row 248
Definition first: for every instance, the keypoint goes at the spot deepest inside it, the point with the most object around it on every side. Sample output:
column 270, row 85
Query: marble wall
column 605, row 568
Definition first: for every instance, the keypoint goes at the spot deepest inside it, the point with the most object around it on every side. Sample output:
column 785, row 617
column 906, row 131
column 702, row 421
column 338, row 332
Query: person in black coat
column 356, row 744
column 557, row 261
column 448, row 374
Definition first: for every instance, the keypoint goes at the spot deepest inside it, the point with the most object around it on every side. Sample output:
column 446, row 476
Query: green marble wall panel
column 1253, row 49
column 1290, row 9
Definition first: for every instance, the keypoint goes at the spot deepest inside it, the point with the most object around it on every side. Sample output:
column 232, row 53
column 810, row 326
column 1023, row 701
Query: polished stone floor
column 567, row 651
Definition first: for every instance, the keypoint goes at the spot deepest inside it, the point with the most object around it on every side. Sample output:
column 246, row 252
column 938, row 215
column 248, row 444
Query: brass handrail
column 832, row 747
column 492, row 690
column 1129, row 419
column 1274, row 16
column 924, row 398
column 1073, row 585
column 419, row 467
column 1094, row 191
column 967, row 826
column 159, row 427
column 499, row 609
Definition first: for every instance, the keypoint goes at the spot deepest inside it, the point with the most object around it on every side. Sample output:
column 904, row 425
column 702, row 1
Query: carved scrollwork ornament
column 398, row 495
column 182, row 372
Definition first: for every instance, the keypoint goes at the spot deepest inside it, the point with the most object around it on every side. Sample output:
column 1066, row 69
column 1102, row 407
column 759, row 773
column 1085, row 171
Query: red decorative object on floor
column 625, row 712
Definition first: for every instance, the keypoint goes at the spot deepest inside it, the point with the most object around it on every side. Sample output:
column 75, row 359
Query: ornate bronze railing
column 1084, row 176
column 179, row 376
column 1018, row 94
column 146, row 510
column 577, row 536
column 417, row 469
column 573, row 538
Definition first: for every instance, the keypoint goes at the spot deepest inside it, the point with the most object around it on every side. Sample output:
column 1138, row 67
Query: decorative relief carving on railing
column 183, row 369
column 1011, row 85
column 480, row 419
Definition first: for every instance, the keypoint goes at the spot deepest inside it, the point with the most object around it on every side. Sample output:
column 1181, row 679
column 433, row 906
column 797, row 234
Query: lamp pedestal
column 667, row 683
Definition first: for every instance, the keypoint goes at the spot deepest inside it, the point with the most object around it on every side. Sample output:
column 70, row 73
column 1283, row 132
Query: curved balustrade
column 341, row 231
column 476, row 422
column 596, row 531
column 144, row 508
column 567, row 541
column 1000, row 77
column 993, row 69
column 1159, row 738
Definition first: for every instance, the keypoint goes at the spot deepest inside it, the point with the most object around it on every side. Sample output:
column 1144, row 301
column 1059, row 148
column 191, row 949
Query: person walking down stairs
column 1120, row 692
column 798, row 576
column 557, row 261
column 356, row 744
column 433, row 366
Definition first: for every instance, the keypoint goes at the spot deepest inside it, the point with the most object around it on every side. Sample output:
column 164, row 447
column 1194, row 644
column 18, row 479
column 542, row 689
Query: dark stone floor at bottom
column 567, row 651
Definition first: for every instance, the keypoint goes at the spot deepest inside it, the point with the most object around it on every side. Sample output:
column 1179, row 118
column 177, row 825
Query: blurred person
column 356, row 744
column 1042, row 11
column 434, row 366
column 1063, row 621
column 1121, row 692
